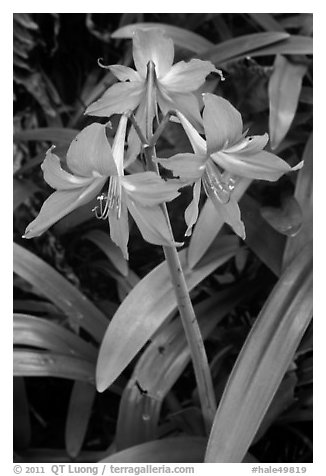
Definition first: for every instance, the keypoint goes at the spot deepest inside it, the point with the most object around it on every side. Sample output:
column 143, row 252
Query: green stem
column 186, row 310
column 188, row 318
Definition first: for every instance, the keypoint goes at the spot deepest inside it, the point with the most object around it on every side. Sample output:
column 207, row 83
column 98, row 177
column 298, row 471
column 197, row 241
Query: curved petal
column 151, row 223
column 186, row 77
column 124, row 73
column 119, row 229
column 59, row 178
column 230, row 213
column 59, row 204
column 186, row 104
column 222, row 123
column 185, row 166
column 119, row 98
column 262, row 166
column 118, row 146
column 148, row 189
column 152, row 45
column 191, row 212
column 90, row 154
column 251, row 144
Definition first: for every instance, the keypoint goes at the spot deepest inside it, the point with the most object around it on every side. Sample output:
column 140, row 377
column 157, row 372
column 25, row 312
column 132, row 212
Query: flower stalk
column 186, row 310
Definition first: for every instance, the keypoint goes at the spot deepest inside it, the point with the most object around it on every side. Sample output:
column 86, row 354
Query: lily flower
column 222, row 160
column 92, row 164
column 172, row 86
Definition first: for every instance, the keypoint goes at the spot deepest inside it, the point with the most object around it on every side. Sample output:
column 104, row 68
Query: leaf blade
column 58, row 290
column 262, row 363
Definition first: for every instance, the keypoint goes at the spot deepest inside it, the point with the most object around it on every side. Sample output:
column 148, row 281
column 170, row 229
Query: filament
column 215, row 185
column 110, row 203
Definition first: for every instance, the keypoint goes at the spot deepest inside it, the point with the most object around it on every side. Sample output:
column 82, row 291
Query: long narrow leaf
column 79, row 412
column 262, row 363
column 169, row 450
column 56, row 288
column 304, row 196
column 145, row 309
column 286, row 45
column 33, row 331
column 29, row 363
column 181, row 37
column 51, row 134
column 283, row 91
column 242, row 46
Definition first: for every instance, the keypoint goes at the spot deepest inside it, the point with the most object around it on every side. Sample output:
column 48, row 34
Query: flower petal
column 119, row 229
column 262, row 166
column 90, row 155
column 230, row 213
column 119, row 98
column 187, row 104
column 59, row 204
column 151, row 223
column 152, row 45
column 118, row 146
column 222, row 123
column 148, row 189
column 191, row 212
column 251, row 144
column 186, row 77
column 124, row 73
column 59, row 178
column 185, row 166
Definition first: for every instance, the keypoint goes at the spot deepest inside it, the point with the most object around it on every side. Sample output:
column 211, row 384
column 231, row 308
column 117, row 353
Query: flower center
column 111, row 202
column 215, row 185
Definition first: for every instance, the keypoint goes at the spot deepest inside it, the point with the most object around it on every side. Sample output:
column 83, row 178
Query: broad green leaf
column 262, row 363
column 31, row 331
column 267, row 21
column 181, row 37
column 28, row 363
column 160, row 366
column 21, row 420
column 304, row 196
column 283, row 90
column 51, row 134
column 104, row 242
column 146, row 308
column 22, row 191
column 57, row 289
column 79, row 412
column 208, row 226
column 242, row 46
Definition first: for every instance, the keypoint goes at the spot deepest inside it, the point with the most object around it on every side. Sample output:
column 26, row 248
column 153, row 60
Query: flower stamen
column 214, row 184
column 112, row 201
